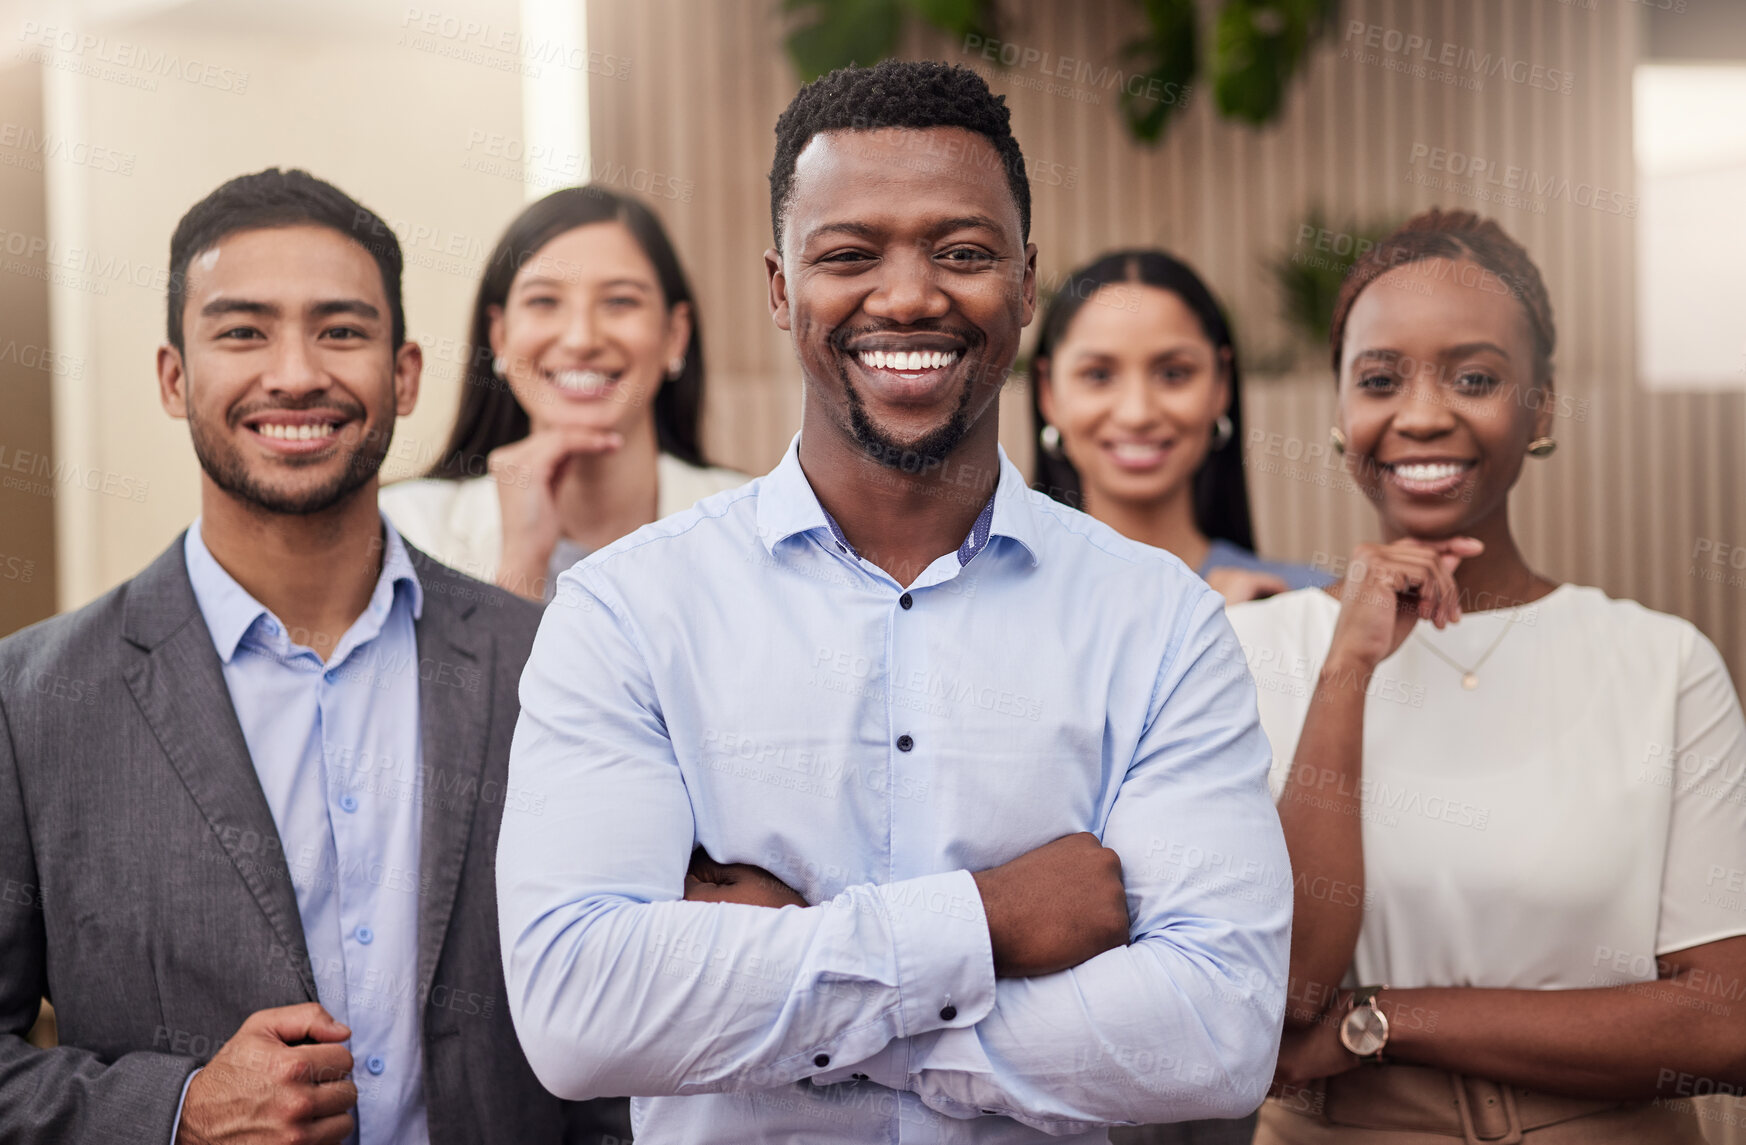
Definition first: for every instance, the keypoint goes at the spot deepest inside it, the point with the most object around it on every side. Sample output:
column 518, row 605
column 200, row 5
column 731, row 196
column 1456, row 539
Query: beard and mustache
column 938, row 443
column 222, row 459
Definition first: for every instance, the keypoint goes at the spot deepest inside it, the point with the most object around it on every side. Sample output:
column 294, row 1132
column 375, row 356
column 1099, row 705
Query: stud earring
column 1051, row 439
column 1339, row 440
column 1222, row 431
column 676, row 367
column 499, row 367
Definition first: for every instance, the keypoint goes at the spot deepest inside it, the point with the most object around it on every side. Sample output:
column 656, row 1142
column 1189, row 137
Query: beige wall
column 348, row 93
column 28, row 363
column 1640, row 481
column 422, row 127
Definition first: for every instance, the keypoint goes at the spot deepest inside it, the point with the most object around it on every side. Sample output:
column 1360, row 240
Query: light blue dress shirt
column 338, row 752
column 736, row 677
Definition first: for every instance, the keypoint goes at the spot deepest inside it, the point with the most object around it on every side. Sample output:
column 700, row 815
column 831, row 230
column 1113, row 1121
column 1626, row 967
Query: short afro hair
column 896, row 93
column 270, row 199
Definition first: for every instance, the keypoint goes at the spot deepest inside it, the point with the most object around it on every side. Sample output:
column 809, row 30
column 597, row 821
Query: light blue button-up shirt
column 337, row 749
column 736, row 677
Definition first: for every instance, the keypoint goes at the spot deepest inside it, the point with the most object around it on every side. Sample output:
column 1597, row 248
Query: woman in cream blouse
column 583, row 384
column 1516, row 808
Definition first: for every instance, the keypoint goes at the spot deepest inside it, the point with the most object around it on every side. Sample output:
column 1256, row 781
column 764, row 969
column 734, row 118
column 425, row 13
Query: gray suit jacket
column 143, row 889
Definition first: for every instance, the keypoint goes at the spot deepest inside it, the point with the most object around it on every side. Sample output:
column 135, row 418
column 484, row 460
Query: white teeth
column 1438, row 471
column 582, row 381
column 1137, row 453
column 280, row 432
column 908, row 362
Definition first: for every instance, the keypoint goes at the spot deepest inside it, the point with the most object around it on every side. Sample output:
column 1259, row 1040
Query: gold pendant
column 1469, row 681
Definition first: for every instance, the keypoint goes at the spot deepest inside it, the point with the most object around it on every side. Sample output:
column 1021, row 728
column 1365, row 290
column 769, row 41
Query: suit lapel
column 454, row 700
column 178, row 683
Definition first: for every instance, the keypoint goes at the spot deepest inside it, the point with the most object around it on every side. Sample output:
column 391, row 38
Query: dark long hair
column 1221, row 491
column 490, row 416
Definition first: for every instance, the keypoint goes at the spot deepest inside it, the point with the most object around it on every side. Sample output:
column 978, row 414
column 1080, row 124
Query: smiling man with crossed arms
column 814, row 680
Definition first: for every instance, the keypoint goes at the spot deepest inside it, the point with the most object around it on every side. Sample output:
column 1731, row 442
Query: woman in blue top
column 1138, row 412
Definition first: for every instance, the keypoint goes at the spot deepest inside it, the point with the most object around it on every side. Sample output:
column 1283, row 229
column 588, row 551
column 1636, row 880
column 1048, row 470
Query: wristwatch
column 1364, row 1029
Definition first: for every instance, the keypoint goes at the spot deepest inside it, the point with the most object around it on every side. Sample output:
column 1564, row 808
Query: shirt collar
column 230, row 611
column 787, row 506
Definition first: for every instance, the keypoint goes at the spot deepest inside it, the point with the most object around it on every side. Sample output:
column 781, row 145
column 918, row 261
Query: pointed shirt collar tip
column 788, row 506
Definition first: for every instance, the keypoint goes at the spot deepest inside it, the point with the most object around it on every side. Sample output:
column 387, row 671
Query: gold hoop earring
column 1541, row 447
column 1339, row 440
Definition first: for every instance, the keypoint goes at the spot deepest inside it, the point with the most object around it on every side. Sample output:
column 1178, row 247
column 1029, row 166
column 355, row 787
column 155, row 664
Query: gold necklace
column 1469, row 676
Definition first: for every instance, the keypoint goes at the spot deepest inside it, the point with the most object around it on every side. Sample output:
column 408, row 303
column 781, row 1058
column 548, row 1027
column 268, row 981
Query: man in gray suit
column 250, row 799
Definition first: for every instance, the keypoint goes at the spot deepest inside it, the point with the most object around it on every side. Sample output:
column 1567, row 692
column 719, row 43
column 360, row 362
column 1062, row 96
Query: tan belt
column 1414, row 1099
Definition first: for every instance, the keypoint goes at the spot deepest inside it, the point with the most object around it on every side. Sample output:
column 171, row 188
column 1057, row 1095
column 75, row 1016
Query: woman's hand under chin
column 527, row 473
column 1389, row 588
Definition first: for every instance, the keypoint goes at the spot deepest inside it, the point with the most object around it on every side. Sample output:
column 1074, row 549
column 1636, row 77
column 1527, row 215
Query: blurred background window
column 1690, row 140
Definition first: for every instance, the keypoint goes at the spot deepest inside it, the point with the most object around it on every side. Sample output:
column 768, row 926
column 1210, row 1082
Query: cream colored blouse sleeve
column 1703, row 892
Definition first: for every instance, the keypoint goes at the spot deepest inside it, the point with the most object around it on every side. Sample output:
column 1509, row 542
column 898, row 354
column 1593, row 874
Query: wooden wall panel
column 29, row 364
column 1640, row 479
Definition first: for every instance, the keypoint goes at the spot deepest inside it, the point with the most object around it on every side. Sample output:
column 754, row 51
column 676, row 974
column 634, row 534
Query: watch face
column 1364, row 1031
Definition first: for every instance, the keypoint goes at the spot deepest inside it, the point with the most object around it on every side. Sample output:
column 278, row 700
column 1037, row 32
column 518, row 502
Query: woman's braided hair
column 1458, row 236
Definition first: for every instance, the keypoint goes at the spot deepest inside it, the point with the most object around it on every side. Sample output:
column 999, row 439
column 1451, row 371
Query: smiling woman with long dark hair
column 1506, row 798
column 1136, row 399
column 580, row 401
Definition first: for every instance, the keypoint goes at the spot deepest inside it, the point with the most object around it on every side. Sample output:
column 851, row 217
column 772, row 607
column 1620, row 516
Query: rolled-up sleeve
column 616, row 986
column 1185, row 1021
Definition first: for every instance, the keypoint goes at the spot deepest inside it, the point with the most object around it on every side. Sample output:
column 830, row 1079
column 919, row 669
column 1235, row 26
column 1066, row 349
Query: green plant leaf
column 962, row 18
column 833, row 34
column 1165, row 58
column 1258, row 46
column 959, row 16
column 1310, row 275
